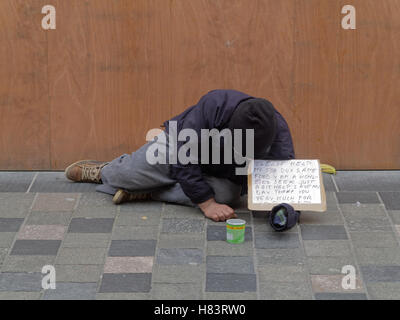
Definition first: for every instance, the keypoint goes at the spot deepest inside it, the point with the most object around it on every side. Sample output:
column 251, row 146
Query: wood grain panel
column 24, row 100
column 120, row 68
column 346, row 96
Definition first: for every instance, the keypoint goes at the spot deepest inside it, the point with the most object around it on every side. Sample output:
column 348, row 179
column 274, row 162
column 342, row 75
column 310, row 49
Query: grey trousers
column 132, row 172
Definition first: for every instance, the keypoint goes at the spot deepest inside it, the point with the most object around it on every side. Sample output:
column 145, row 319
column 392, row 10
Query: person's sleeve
column 282, row 147
column 190, row 176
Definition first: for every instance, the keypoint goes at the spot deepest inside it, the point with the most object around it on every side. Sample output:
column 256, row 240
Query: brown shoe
column 85, row 171
column 122, row 196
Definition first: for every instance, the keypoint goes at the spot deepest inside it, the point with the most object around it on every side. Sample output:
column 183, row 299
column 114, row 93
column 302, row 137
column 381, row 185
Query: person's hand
column 216, row 211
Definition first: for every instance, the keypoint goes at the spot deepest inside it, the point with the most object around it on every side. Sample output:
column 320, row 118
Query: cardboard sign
column 296, row 182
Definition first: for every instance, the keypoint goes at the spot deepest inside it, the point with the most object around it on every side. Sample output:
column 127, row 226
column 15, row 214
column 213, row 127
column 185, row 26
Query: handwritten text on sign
column 290, row 181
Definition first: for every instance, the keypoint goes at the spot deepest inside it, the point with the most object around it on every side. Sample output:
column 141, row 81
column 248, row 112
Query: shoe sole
column 118, row 197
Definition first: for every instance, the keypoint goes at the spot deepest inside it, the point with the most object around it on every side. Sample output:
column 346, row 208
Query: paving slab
column 47, row 202
column 142, row 207
column 378, row 256
column 318, row 218
column 278, row 290
column 284, row 273
column 128, row 265
column 384, row 290
column 177, row 211
column 126, row 282
column 19, row 295
column 15, row 205
column 357, row 197
column 132, row 248
column 87, row 240
column 367, row 180
column 138, row 219
column 323, row 232
column 81, row 256
column 224, row 264
column 6, row 239
column 179, row 273
column 375, row 273
column 230, row 296
column 36, row 247
column 176, row 291
column 33, row 263
column 391, row 200
column 15, row 281
column 333, row 283
column 374, row 239
column 15, row 181
column 56, row 182
column 327, row 248
column 71, row 291
column 176, row 240
column 78, row 273
column 49, row 218
column 223, row 248
column 91, row 225
column 123, row 296
column 135, row 233
column 179, row 256
column 42, row 232
column 10, row 224
column 329, row 265
column 230, row 282
column 276, row 240
column 174, row 225
column 291, row 257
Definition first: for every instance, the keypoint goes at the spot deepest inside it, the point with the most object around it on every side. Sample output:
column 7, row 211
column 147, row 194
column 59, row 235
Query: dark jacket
column 214, row 111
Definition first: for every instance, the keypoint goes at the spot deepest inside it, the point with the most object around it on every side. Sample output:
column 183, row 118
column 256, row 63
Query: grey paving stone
column 132, row 248
column 138, row 219
column 182, row 225
column 96, row 200
column 123, row 296
column 328, row 182
column 374, row 239
column 87, row 240
column 276, row 240
column 328, row 265
column 177, row 211
column 318, row 218
column 3, row 253
column 280, row 256
column 340, row 296
column 230, row 296
column 56, row 182
column 218, row 233
column 278, row 290
column 323, row 232
column 126, row 282
column 19, row 295
column 367, row 218
column 49, row 218
column 26, row 263
column 81, row 256
column 395, row 216
column 285, row 273
column 96, row 212
column 179, row 256
column 391, row 199
column 139, row 207
column 176, row 291
column 224, row 264
column 71, row 291
column 230, row 282
column 354, row 197
column 27, row 282
column 181, row 240
column 36, row 247
column 384, row 290
column 368, row 180
column 135, row 233
column 223, row 248
column 331, row 201
column 179, row 273
column 91, row 225
column 15, row 205
column 353, row 211
column 381, row 273
column 78, row 273
column 328, row 248
column 378, row 256
column 15, row 181
column 6, row 239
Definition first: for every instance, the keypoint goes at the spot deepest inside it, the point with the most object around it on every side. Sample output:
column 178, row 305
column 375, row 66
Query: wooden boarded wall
column 114, row 69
